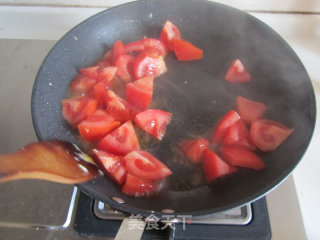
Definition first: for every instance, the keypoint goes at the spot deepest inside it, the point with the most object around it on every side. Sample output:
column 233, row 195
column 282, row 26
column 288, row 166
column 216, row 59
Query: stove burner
column 235, row 216
column 92, row 219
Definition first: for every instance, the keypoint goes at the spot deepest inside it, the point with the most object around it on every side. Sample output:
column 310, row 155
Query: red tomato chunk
column 97, row 126
column 153, row 122
column 81, row 85
column 143, row 165
column 119, row 108
column 194, row 148
column 112, row 165
column 139, row 93
column 138, row 187
column 237, row 73
column 268, row 135
column 121, row 141
column 241, row 157
column 168, row 34
column 124, row 64
column 149, row 65
column 223, row 126
column 250, row 110
column 154, row 47
column 238, row 136
column 75, row 110
column 214, row 167
column 186, row 51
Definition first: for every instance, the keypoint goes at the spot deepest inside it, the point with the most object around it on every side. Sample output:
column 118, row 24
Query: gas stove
column 71, row 214
column 247, row 222
column 32, row 209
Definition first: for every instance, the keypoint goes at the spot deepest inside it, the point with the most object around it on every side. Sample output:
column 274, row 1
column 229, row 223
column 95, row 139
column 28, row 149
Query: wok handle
column 131, row 229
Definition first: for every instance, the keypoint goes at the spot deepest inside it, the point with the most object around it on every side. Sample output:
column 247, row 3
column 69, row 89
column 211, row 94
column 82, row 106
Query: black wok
column 195, row 92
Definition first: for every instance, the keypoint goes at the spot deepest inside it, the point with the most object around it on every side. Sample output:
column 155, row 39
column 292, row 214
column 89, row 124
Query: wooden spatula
column 55, row 161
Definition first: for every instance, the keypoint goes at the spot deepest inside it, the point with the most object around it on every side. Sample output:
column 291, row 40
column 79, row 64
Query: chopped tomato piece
column 186, row 51
column 81, row 85
column 91, row 72
column 138, row 187
column 223, row 126
column 194, row 148
column 100, row 93
column 154, row 46
column 153, row 122
column 168, row 34
column 111, row 164
column 139, row 93
column 117, row 50
column 237, row 73
column 120, row 109
column 143, row 165
column 214, row 167
column 238, row 136
column 102, row 64
column 107, row 74
column 107, row 57
column 120, row 174
column 121, row 141
column 268, row 135
column 134, row 47
column 125, row 65
column 241, row 157
column 250, row 110
column 149, row 65
column 97, row 126
column 75, row 110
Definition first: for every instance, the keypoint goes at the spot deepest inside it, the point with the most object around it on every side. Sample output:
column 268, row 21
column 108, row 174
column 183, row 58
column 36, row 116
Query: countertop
column 293, row 207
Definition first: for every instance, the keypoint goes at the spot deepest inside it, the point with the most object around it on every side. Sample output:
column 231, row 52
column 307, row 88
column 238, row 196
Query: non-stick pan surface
column 195, row 92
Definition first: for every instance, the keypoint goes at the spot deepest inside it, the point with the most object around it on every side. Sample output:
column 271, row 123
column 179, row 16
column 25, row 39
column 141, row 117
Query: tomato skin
column 121, row 141
column 77, row 109
column 241, row 157
column 97, row 126
column 91, row 72
column 107, row 57
column 134, row 47
column 238, row 135
column 81, row 85
column 237, row 73
column 149, row 65
column 214, row 167
column 223, row 126
column 268, row 135
column 154, row 47
column 194, row 148
column 100, row 93
column 124, row 64
column 107, row 74
column 250, row 110
column 138, row 187
column 145, row 166
column 139, row 93
column 102, row 64
column 117, row 50
column 120, row 109
column 153, row 122
column 186, row 51
column 168, row 34
column 110, row 164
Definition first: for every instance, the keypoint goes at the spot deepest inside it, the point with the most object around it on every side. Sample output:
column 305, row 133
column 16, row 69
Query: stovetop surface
column 89, row 224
